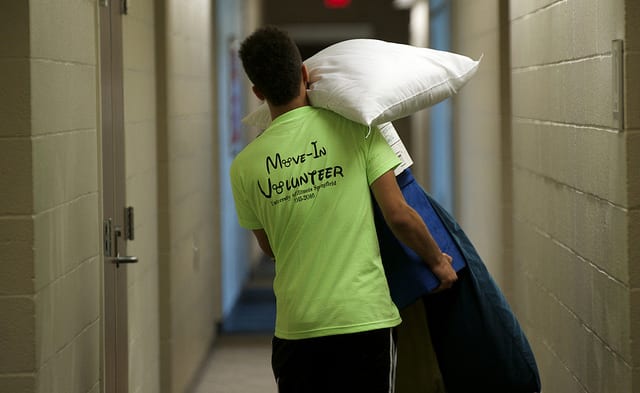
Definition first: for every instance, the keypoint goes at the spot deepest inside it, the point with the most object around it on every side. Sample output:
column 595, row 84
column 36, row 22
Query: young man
column 304, row 188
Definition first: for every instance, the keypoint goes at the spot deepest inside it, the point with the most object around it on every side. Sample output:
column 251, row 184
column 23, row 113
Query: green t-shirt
column 305, row 181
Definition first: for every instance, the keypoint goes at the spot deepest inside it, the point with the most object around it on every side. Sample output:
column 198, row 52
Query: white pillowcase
column 373, row 82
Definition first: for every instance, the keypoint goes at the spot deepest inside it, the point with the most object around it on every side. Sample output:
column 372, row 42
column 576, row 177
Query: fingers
column 446, row 274
column 444, row 285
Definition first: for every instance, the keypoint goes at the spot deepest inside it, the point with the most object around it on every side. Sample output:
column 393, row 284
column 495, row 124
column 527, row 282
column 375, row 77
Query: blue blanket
column 478, row 342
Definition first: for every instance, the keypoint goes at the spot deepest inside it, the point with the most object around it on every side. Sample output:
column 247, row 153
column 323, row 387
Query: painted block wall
column 141, row 187
column 66, row 202
column 481, row 142
column 174, row 291
column 574, row 213
column 632, row 103
column 189, row 247
column 17, row 302
column 49, row 246
column 50, row 270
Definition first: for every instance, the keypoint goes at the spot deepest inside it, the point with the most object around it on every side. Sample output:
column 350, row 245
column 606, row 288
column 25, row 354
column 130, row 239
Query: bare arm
column 263, row 241
column 407, row 225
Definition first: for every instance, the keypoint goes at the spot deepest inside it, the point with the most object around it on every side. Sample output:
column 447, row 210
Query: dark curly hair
column 273, row 63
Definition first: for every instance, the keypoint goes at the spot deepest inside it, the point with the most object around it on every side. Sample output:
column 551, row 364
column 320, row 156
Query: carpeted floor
column 255, row 310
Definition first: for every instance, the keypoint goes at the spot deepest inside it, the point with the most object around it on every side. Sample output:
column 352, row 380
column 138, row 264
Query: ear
column 305, row 75
column 257, row 93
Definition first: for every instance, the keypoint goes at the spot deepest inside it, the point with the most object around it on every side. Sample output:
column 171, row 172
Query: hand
column 444, row 272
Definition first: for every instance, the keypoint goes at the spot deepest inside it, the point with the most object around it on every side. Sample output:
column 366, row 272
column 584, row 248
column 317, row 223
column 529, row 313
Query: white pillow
column 373, row 82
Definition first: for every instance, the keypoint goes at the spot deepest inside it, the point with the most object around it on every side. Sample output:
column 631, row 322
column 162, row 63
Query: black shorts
column 354, row 363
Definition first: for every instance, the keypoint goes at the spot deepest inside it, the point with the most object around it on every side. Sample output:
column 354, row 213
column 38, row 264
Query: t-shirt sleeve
column 246, row 214
column 380, row 157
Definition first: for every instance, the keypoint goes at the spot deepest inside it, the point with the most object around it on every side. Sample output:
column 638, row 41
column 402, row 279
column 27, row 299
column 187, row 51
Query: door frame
column 115, row 312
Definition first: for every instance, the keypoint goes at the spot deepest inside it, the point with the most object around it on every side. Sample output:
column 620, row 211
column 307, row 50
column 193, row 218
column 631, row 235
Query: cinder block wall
column 141, row 168
column 632, row 130
column 482, row 149
column 576, row 192
column 50, row 265
column 17, row 300
column 49, row 237
column 189, row 230
column 174, row 291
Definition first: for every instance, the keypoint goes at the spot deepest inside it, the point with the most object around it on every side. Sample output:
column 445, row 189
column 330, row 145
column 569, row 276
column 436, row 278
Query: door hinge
column 108, row 237
column 128, row 223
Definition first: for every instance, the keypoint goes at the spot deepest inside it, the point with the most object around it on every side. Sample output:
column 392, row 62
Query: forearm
column 410, row 229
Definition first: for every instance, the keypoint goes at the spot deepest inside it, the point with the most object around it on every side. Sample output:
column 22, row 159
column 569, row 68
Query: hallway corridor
column 238, row 364
column 240, row 360
column 119, row 121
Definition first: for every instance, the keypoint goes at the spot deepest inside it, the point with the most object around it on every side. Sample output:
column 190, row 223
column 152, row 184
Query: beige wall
column 49, row 245
column 575, row 194
column 632, row 150
column 17, row 302
column 565, row 248
column 482, row 178
column 50, row 232
column 141, row 168
column 632, row 156
column 189, row 247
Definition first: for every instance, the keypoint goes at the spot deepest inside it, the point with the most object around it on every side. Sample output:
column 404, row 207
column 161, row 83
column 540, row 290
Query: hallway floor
column 239, row 364
column 240, row 361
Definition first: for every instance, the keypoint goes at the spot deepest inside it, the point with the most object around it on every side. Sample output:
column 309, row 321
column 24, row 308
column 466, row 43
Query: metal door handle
column 118, row 259
column 111, row 245
column 125, row 259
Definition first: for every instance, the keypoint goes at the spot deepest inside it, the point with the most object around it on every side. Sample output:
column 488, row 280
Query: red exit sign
column 336, row 3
